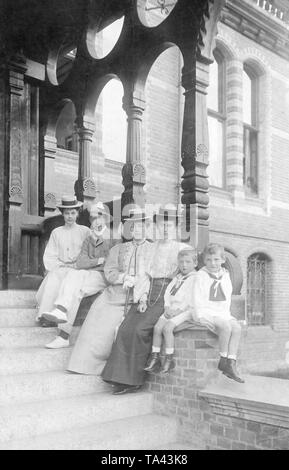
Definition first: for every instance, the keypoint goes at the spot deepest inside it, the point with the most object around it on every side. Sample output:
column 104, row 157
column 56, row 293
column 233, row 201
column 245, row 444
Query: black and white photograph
column 144, row 227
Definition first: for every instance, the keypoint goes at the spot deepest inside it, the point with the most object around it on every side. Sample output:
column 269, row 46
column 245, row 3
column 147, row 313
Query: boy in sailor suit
column 212, row 293
column 178, row 300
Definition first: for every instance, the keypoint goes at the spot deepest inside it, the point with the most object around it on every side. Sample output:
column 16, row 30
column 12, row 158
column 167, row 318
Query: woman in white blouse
column 127, row 361
column 126, row 273
column 61, row 253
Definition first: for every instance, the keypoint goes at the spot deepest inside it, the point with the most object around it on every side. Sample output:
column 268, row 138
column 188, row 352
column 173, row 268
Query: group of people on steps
column 146, row 290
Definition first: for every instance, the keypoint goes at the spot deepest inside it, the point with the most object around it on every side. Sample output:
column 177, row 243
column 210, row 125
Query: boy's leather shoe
column 169, row 364
column 222, row 366
column 231, row 371
column 154, row 363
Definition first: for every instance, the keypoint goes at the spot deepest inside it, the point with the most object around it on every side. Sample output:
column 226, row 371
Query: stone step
column 18, row 298
column 130, row 433
column 47, row 385
column 33, row 419
column 20, row 337
column 30, row 360
column 14, row 317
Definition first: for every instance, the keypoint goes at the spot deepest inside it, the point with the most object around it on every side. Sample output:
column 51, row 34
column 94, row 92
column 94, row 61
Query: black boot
column 169, row 364
column 222, row 366
column 154, row 363
column 231, row 371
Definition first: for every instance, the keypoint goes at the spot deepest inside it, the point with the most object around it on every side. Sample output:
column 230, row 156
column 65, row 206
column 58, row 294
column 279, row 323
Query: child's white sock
column 232, row 356
column 156, row 349
column 169, row 350
column 224, row 354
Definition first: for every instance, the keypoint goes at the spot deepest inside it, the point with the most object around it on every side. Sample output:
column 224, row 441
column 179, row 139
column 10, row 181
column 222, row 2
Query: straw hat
column 99, row 209
column 69, row 202
column 136, row 215
column 169, row 212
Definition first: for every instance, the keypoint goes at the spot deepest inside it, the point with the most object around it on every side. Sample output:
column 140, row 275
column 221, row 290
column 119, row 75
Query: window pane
column 216, row 164
column 213, row 89
column 250, row 167
column 247, row 99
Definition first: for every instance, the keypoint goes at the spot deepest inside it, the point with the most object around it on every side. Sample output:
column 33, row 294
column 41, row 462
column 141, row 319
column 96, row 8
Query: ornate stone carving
column 50, row 201
column 139, row 173
column 89, row 187
column 208, row 13
column 16, row 192
column 85, row 188
column 202, row 152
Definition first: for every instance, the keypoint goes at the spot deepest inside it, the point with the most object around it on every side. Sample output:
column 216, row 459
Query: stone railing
column 268, row 6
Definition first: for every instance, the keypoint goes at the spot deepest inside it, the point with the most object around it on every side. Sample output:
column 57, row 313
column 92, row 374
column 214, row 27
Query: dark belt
column 160, row 280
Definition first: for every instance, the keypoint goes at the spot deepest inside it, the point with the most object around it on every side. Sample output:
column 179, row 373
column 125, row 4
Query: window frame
column 254, row 258
column 221, row 114
column 253, row 130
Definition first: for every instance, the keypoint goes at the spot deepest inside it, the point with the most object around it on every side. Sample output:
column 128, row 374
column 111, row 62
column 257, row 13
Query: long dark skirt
column 133, row 343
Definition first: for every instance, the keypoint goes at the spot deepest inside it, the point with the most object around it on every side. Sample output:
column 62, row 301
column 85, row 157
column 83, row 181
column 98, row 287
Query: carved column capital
column 85, row 134
column 16, row 70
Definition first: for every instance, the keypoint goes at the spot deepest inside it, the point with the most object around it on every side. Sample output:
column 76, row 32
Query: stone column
column 85, row 186
column 4, row 177
column 195, row 150
column 133, row 172
column 49, row 154
column 16, row 69
column 234, row 140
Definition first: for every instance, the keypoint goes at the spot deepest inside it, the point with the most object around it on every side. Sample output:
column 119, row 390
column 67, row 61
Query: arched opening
column 61, row 151
column 60, row 63
column 111, row 136
column 66, row 133
column 101, row 40
column 163, row 128
column 257, row 289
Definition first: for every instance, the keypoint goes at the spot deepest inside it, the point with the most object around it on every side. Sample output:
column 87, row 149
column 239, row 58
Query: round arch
column 54, row 116
column 149, row 61
column 95, row 89
column 226, row 49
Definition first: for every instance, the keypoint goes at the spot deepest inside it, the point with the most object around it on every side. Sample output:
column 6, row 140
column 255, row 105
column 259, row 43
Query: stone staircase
column 44, row 407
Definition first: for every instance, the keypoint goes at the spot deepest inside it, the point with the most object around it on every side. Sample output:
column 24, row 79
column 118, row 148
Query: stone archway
column 191, row 25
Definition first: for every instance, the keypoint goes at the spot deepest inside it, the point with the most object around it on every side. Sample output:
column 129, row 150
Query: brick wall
column 180, row 394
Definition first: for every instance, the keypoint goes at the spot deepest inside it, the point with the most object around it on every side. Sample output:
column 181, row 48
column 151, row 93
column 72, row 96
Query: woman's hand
column 142, row 306
column 129, row 281
column 168, row 313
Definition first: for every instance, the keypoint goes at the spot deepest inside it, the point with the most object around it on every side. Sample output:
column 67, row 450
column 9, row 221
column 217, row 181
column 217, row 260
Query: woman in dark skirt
column 125, row 366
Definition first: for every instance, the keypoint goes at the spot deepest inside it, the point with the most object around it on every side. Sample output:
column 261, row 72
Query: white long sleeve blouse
column 64, row 246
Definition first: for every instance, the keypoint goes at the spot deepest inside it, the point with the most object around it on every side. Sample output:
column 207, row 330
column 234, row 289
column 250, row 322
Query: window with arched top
column 216, row 103
column 257, row 289
column 251, row 130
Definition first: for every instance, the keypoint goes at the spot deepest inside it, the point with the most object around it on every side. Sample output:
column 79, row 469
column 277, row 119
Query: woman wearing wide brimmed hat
column 87, row 279
column 61, row 253
column 131, row 350
column 126, row 273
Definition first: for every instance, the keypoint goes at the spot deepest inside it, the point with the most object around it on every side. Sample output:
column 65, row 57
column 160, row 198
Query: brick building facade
column 252, row 221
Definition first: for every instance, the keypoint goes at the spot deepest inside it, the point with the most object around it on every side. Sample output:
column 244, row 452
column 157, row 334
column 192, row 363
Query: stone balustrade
column 268, row 6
